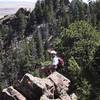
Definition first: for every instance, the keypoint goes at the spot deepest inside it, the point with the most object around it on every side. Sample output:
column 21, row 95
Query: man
column 55, row 59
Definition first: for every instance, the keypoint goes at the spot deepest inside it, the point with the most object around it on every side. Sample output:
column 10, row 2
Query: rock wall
column 53, row 87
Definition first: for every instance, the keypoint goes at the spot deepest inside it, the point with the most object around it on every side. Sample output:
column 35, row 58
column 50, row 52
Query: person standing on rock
column 55, row 59
column 57, row 62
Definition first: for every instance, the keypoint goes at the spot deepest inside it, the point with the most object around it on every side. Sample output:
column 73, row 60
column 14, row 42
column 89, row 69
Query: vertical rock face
column 54, row 87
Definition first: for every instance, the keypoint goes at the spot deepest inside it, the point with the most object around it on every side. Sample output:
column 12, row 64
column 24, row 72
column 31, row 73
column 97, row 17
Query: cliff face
column 44, row 21
column 47, row 14
column 25, row 36
column 53, row 87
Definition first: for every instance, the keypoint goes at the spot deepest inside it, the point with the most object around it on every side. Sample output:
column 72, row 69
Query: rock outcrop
column 53, row 87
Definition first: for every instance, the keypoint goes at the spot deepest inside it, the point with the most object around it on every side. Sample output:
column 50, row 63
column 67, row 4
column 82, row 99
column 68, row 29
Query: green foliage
column 73, row 68
column 48, row 11
column 36, row 73
column 46, row 63
column 78, row 9
column 39, row 45
column 22, row 19
column 26, row 55
column 97, row 13
column 39, row 12
column 84, row 90
column 83, row 87
column 78, row 43
column 95, row 74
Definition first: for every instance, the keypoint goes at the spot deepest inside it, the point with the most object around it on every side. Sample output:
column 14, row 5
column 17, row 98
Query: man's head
column 52, row 52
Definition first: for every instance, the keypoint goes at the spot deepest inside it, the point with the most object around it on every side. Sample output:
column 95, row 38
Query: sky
column 18, row 0
column 11, row 6
column 85, row 0
column 30, row 0
column 8, row 7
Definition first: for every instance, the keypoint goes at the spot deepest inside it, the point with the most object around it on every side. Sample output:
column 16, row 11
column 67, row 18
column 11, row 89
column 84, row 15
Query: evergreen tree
column 78, row 9
column 39, row 45
column 39, row 12
column 80, row 40
column 95, row 74
column 22, row 22
column 48, row 11
column 97, row 14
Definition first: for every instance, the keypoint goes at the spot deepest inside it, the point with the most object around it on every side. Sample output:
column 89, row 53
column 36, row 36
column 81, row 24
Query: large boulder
column 73, row 96
column 4, row 96
column 61, row 83
column 13, row 94
column 31, row 87
column 53, row 87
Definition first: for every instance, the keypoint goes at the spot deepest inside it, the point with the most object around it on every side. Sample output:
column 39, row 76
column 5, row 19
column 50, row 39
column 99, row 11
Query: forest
column 71, row 28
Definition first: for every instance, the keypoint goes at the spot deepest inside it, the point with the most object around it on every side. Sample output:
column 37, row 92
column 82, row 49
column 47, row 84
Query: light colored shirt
column 55, row 61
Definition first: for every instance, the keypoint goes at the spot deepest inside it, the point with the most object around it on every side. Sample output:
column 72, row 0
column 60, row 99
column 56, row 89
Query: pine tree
column 78, row 10
column 39, row 45
column 48, row 11
column 22, row 22
column 39, row 12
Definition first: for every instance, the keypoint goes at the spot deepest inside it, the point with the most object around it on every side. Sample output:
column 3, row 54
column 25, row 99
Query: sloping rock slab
column 65, row 97
column 10, row 91
column 61, row 84
column 57, row 78
column 54, row 87
column 4, row 96
column 31, row 87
